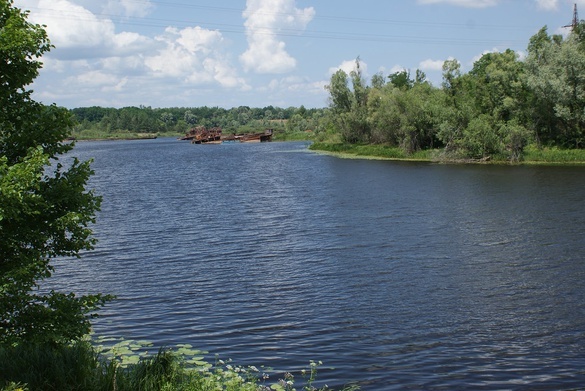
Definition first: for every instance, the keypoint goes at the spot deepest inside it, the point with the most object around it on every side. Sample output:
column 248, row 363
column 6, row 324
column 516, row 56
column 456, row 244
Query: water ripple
column 397, row 276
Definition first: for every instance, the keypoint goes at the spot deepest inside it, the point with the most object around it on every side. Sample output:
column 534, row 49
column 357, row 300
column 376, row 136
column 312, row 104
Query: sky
column 258, row 53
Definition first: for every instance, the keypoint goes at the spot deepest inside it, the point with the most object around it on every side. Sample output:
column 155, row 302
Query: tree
column 349, row 106
column 457, row 108
column 451, row 76
column 340, row 94
column 556, row 78
column 500, row 96
column 404, row 117
column 45, row 209
column 190, row 118
column 401, row 79
column 378, row 81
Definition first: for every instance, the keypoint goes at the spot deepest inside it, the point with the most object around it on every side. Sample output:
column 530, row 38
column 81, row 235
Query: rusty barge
column 203, row 135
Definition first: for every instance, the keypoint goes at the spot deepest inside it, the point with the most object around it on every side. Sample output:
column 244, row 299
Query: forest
column 99, row 122
column 504, row 104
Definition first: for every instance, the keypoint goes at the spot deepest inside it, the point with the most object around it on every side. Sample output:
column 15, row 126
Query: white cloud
column 193, row 55
column 136, row 8
column 522, row 55
column 431, row 65
column 463, row 3
column 547, row 4
column 297, row 84
column 95, row 78
column 553, row 5
column 106, row 67
column 479, row 56
column 266, row 53
column 72, row 26
column 294, row 90
column 78, row 33
column 349, row 66
column 397, row 68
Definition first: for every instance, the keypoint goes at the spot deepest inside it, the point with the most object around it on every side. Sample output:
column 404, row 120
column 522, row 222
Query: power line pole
column 575, row 22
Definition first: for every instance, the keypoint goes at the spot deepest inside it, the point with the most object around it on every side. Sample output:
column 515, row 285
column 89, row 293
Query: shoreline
column 442, row 160
column 125, row 137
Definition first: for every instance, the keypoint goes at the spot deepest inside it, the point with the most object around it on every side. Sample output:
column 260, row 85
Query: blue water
column 398, row 276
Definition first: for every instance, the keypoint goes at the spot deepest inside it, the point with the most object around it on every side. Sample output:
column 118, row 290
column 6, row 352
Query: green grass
column 292, row 136
column 532, row 154
column 372, row 151
column 83, row 366
column 536, row 155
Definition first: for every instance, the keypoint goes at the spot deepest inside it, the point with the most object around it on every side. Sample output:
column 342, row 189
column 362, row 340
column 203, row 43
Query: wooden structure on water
column 202, row 135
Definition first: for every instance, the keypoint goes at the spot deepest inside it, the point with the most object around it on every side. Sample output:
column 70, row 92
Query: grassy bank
column 292, row 136
column 83, row 366
column 532, row 154
column 372, row 151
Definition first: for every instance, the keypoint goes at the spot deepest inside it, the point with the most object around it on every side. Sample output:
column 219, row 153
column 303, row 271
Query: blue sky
column 229, row 53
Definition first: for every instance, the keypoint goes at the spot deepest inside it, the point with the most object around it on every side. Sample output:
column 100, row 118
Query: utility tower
column 575, row 22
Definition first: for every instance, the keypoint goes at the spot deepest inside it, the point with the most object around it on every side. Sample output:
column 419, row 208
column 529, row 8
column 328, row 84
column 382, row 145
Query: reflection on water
column 397, row 275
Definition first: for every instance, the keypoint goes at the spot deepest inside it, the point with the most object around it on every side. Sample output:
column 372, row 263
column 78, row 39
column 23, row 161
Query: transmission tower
column 575, row 22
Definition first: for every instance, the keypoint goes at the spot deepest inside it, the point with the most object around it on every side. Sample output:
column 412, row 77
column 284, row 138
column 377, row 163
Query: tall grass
column 49, row 367
column 81, row 367
column 553, row 155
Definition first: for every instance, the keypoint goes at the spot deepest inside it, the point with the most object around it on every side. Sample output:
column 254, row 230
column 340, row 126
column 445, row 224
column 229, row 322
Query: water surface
column 396, row 275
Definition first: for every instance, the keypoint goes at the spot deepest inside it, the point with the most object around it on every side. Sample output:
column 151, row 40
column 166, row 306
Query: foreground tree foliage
column 494, row 111
column 45, row 209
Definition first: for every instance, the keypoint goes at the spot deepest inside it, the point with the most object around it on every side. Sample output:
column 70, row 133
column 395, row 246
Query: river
column 396, row 275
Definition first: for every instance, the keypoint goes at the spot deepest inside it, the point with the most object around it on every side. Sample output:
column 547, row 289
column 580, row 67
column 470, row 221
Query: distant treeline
column 502, row 105
column 179, row 120
column 495, row 110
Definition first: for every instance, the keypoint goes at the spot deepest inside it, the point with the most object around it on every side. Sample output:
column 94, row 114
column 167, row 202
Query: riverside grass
column 532, row 154
column 372, row 151
column 84, row 365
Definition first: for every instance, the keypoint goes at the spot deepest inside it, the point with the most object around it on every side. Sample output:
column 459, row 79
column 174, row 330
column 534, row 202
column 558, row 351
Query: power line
column 335, row 18
column 281, row 32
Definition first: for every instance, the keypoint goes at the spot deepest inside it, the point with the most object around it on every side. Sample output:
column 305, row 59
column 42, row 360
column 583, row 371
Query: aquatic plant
column 106, row 364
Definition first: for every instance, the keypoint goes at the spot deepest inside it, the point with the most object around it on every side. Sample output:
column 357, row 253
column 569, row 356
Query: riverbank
column 120, row 136
column 532, row 155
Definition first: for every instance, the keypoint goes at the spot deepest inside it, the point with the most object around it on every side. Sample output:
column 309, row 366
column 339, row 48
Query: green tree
column 401, row 79
column 556, row 78
column 404, row 117
column 339, row 93
column 349, row 106
column 497, row 84
column 457, row 108
column 45, row 209
column 190, row 118
column 378, row 80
